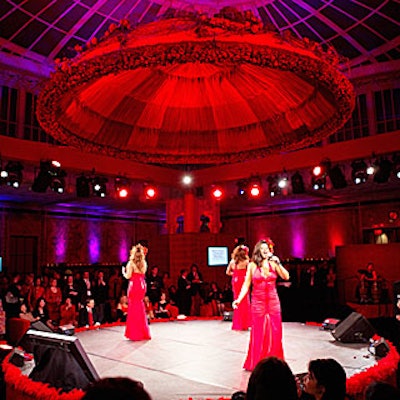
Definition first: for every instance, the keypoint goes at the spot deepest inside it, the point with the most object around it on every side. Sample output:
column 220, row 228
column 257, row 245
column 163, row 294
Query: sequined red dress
column 266, row 329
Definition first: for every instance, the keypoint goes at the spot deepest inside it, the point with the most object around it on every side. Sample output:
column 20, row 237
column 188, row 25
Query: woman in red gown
column 137, row 327
column 237, row 269
column 266, row 327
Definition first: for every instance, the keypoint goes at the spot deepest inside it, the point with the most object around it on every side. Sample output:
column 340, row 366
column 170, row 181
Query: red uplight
column 123, row 193
column 317, row 170
column 217, row 193
column 150, row 192
column 255, row 190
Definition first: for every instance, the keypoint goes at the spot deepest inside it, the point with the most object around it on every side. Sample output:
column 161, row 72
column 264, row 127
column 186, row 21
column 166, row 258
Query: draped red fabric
column 196, row 90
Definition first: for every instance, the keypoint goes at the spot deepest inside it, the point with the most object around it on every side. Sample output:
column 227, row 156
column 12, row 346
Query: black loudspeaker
column 227, row 315
column 380, row 348
column 60, row 360
column 354, row 329
column 396, row 297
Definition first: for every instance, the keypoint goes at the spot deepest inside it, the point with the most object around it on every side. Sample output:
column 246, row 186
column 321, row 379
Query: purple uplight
column 298, row 244
column 123, row 250
column 94, row 245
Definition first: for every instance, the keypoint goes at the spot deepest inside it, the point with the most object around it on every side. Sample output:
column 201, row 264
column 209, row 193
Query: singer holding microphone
column 266, row 319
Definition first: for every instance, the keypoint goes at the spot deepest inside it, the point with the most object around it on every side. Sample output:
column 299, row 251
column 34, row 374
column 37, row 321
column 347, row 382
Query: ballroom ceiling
column 365, row 34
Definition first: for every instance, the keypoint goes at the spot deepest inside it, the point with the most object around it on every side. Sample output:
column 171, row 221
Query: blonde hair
column 240, row 253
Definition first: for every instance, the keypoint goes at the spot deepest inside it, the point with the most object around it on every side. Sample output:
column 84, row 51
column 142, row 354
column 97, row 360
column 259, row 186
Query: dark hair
column 331, row 375
column 272, row 379
column 381, row 391
column 257, row 257
column 117, row 388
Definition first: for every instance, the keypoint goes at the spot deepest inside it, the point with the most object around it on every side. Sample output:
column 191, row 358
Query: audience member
column 196, row 280
column 100, row 296
column 326, row 380
column 161, row 307
column 272, row 379
column 68, row 313
column 71, row 290
column 53, row 297
column 122, row 308
column 117, row 388
column 148, row 306
column 154, row 285
column 87, row 315
column 381, row 391
column 42, row 312
column 184, row 293
column 25, row 314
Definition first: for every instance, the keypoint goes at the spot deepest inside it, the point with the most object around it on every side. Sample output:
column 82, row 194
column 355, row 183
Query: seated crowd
column 96, row 297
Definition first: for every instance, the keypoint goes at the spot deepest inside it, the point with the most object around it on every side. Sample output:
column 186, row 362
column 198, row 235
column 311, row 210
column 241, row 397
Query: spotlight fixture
column 337, row 177
column 187, row 180
column 57, row 184
column 384, row 168
column 319, row 183
column 242, row 188
column 50, row 175
column 99, row 186
column 273, row 186
column 359, row 173
column 255, row 187
column 217, row 192
column 122, row 186
column 396, row 165
column 83, row 186
column 297, row 183
column 150, row 192
column 11, row 175
column 319, row 174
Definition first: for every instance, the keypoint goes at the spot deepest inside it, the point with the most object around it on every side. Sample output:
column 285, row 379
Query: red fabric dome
column 196, row 91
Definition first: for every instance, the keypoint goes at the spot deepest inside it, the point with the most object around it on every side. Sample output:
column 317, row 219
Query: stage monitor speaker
column 227, row 315
column 380, row 348
column 40, row 326
column 354, row 329
column 396, row 297
column 60, row 360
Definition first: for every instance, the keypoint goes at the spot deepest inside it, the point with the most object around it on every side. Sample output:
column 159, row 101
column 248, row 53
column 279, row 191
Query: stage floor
column 203, row 358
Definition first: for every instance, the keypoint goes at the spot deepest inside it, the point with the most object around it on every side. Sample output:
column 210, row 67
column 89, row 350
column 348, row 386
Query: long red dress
column 241, row 316
column 266, row 330
column 137, row 327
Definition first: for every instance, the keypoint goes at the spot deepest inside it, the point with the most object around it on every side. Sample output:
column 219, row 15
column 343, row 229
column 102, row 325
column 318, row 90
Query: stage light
column 297, row 183
column 50, row 175
column 384, row 168
column 255, row 190
column 150, row 192
column 187, row 180
column 359, row 173
column 99, row 186
column 337, row 177
column 11, row 175
column 318, row 183
column 83, row 186
column 217, row 192
column 396, row 165
column 122, row 186
column 273, row 186
column 242, row 188
column 57, row 184
column 322, row 168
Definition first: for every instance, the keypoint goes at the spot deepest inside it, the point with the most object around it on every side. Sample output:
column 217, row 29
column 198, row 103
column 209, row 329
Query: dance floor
column 203, row 358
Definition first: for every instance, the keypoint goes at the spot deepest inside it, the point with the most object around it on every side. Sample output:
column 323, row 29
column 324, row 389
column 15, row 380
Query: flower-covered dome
column 196, row 90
